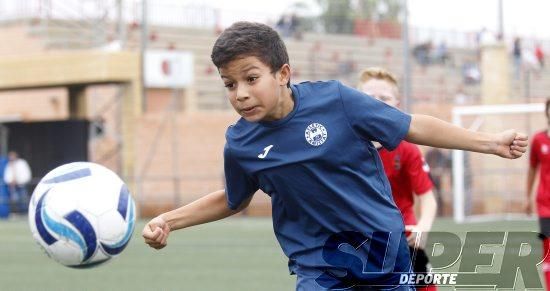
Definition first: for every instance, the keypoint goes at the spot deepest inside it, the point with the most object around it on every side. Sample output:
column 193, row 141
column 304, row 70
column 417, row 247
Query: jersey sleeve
column 533, row 153
column 239, row 186
column 374, row 120
column 417, row 170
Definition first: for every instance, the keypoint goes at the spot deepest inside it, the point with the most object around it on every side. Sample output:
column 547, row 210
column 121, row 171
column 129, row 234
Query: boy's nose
column 242, row 94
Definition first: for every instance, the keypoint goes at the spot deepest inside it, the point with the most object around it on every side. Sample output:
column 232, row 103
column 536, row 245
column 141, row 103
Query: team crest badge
column 316, row 134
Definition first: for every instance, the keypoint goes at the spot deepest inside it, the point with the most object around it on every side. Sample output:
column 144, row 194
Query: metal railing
column 90, row 11
column 102, row 14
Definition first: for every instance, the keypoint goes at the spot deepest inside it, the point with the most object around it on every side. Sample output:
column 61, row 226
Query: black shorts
column 420, row 260
column 421, row 264
column 544, row 224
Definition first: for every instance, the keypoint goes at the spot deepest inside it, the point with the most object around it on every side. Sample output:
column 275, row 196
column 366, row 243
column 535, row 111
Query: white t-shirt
column 18, row 171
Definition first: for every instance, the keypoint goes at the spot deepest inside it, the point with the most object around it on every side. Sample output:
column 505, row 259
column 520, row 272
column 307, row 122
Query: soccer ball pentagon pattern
column 82, row 214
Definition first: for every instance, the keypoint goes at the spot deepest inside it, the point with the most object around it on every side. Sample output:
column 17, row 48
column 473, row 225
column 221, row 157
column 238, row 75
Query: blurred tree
column 339, row 16
column 378, row 10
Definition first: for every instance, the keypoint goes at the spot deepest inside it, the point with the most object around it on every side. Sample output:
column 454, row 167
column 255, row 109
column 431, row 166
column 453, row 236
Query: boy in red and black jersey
column 407, row 173
column 539, row 160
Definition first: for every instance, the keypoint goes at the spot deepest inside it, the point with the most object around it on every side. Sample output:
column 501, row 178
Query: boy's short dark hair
column 246, row 39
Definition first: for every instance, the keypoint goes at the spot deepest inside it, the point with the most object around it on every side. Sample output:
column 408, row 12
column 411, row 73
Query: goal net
column 487, row 187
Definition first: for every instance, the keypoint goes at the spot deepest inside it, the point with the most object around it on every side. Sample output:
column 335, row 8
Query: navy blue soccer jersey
column 326, row 181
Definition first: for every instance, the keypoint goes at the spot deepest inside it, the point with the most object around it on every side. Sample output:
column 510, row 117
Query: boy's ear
column 284, row 75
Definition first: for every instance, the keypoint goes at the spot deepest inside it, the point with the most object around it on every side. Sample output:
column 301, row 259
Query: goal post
column 498, row 185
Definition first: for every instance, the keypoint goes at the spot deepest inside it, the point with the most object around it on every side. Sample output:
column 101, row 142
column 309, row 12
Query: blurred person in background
column 539, row 54
column 441, row 54
column 17, row 175
column 422, row 52
column 471, row 73
column 287, row 25
column 530, row 62
column 516, row 53
column 407, row 173
column 440, row 166
column 4, row 191
column 539, row 160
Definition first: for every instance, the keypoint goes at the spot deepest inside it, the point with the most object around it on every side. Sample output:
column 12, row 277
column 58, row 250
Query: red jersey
column 540, row 157
column 538, row 53
column 408, row 173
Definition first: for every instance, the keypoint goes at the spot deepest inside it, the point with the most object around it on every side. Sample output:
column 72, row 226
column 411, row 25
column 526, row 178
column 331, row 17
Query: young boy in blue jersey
column 309, row 147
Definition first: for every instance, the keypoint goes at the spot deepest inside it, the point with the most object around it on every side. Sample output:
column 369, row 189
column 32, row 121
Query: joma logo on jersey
column 266, row 151
column 316, row 134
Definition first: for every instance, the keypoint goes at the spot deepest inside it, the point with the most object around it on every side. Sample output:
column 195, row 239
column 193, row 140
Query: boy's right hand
column 156, row 233
column 511, row 144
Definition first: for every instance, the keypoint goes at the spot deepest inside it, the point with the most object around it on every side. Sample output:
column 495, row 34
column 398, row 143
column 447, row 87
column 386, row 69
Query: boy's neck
column 291, row 101
column 285, row 106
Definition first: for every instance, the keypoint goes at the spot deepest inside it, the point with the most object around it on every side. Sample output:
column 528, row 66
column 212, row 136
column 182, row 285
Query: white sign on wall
column 168, row 69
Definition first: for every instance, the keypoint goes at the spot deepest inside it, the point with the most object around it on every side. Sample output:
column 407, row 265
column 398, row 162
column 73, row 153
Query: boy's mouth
column 248, row 110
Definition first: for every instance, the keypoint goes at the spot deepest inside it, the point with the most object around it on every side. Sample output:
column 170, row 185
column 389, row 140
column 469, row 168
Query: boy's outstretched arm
column 430, row 131
column 206, row 209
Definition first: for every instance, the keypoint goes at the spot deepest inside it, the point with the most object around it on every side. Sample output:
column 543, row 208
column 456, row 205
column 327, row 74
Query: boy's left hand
column 511, row 144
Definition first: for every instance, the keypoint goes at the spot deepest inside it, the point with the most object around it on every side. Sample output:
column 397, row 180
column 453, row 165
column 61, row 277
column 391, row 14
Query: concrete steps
column 315, row 56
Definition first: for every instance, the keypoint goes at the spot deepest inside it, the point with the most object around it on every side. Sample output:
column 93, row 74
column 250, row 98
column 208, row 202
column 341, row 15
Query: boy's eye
column 229, row 85
column 252, row 79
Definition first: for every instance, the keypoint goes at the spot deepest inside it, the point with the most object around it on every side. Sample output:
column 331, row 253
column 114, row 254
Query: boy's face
column 254, row 92
column 381, row 90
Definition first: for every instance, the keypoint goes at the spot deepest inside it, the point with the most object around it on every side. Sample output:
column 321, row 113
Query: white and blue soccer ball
column 82, row 214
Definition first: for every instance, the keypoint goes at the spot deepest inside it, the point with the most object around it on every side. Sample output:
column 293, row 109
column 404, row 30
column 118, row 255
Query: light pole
column 407, row 100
